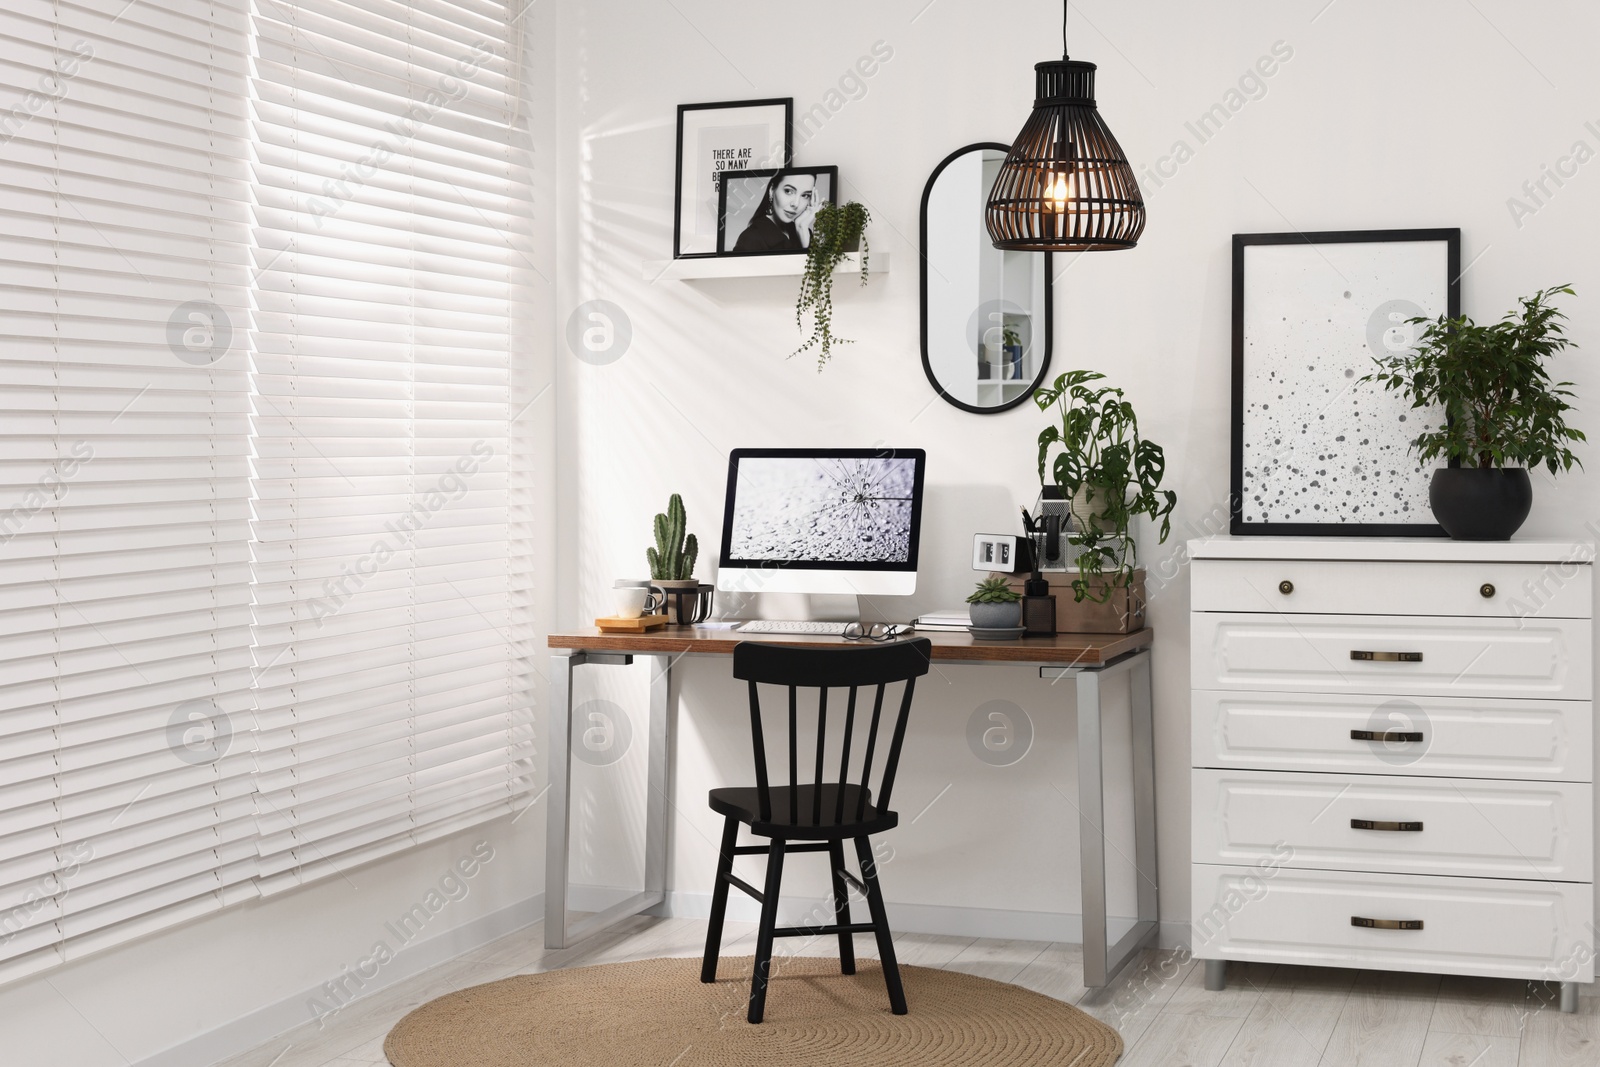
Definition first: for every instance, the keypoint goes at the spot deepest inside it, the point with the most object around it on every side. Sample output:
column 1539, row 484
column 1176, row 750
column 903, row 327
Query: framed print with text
column 716, row 139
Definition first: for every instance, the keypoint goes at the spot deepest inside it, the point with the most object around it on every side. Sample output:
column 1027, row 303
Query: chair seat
column 744, row 803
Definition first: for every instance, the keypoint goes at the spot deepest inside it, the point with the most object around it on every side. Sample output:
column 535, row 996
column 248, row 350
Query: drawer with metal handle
column 1401, row 825
column 1390, row 737
column 1392, row 656
column 1385, row 924
column 1385, row 657
column 1559, row 589
column 1480, row 926
column 1386, row 826
column 1458, row 737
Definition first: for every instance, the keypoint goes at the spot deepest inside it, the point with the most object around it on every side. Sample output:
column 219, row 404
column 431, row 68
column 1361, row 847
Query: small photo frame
column 770, row 211
column 716, row 139
column 1315, row 449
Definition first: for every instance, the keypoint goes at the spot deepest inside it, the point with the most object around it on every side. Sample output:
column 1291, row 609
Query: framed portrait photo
column 770, row 211
column 1315, row 449
column 718, row 139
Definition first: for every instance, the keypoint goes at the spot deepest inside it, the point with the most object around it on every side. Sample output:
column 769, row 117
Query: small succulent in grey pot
column 995, row 606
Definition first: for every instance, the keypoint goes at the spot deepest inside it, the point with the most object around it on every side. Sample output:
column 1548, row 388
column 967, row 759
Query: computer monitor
column 822, row 520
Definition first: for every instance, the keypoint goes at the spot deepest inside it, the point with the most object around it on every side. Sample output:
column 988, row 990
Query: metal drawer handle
column 1387, row 657
column 1385, row 924
column 1386, row 735
column 1486, row 590
column 1397, row 827
column 1286, row 587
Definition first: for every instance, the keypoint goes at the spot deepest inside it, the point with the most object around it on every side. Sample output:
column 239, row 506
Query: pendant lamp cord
column 1066, row 6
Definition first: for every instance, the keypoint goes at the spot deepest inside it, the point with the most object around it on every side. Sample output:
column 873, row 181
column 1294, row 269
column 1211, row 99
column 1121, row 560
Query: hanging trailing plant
column 838, row 230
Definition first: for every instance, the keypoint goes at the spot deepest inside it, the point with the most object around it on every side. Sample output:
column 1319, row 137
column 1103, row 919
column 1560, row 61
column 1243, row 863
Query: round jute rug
column 657, row 1012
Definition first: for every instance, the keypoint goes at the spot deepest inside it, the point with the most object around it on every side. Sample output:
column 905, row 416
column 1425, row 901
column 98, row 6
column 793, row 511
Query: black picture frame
column 690, row 243
column 1239, row 523
column 922, row 295
column 725, row 239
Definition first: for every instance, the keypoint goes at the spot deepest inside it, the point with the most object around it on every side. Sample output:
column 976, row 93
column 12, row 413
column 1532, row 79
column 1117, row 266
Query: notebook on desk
column 953, row 620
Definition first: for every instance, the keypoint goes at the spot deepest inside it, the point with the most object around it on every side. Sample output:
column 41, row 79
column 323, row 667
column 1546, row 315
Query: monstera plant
column 1096, row 456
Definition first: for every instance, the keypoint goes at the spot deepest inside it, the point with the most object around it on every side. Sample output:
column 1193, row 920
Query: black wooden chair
column 821, row 814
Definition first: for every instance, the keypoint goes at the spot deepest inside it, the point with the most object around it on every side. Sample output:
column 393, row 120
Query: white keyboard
column 793, row 626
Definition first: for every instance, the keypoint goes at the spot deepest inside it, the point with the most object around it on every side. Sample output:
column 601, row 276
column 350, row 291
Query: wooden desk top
column 1080, row 650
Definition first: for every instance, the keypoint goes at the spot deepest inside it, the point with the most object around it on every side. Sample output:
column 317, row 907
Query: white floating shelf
column 688, row 270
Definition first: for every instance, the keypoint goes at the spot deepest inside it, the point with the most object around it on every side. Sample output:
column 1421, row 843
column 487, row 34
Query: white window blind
column 391, row 644
column 125, row 767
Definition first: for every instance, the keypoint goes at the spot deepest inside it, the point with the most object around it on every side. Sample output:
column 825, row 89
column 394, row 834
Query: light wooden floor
column 1267, row 1017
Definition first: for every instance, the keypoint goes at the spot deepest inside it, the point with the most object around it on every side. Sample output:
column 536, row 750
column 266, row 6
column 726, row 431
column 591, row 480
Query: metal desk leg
column 559, row 794
column 1091, row 829
column 657, row 799
column 1102, row 961
column 558, row 932
column 1142, row 710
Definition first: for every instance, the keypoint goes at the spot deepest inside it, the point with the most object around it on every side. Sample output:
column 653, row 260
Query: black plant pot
column 1473, row 504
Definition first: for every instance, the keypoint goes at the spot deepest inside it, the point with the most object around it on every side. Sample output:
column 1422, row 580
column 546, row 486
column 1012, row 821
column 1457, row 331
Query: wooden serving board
column 642, row 624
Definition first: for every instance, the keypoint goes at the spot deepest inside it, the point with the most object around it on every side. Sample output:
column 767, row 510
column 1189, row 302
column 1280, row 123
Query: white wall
column 1429, row 113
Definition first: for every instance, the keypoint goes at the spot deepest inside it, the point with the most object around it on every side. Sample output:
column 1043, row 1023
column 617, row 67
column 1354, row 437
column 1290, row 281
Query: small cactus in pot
column 995, row 605
column 672, row 559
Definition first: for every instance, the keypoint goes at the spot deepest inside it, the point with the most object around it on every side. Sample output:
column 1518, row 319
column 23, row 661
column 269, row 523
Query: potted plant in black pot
column 672, row 566
column 1503, row 414
column 1097, row 458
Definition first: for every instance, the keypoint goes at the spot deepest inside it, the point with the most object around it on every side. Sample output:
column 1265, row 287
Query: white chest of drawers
column 1393, row 756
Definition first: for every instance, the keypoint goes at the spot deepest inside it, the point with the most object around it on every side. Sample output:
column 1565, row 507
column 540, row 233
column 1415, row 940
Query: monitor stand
column 808, row 607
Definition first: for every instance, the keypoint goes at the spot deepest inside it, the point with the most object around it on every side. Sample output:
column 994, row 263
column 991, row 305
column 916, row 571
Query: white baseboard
column 925, row 919
column 262, row 1025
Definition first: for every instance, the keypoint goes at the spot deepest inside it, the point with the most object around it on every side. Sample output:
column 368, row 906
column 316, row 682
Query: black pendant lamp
column 1066, row 185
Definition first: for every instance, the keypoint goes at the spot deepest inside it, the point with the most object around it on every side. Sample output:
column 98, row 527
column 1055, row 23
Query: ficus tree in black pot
column 1503, row 413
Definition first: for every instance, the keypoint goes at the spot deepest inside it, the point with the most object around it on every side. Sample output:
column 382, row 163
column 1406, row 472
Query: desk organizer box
column 1123, row 613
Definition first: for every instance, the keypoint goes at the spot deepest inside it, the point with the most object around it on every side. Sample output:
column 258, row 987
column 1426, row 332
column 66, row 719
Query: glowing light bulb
column 1058, row 190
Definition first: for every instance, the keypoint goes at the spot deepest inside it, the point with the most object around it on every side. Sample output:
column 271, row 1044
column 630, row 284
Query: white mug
column 632, row 601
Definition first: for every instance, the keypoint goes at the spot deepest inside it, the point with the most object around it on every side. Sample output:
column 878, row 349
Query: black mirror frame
column 922, row 303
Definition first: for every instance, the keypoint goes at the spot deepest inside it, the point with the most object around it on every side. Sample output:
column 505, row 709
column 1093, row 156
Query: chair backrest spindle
column 822, row 743
column 794, row 741
column 872, row 745
column 760, row 744
column 892, row 764
column 844, row 753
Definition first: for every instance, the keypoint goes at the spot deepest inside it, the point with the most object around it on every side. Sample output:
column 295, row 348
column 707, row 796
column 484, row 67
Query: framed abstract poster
column 1316, row 450
column 717, row 139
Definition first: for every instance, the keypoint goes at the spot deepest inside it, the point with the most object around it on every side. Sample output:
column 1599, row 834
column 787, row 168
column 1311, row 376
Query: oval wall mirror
column 986, row 314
